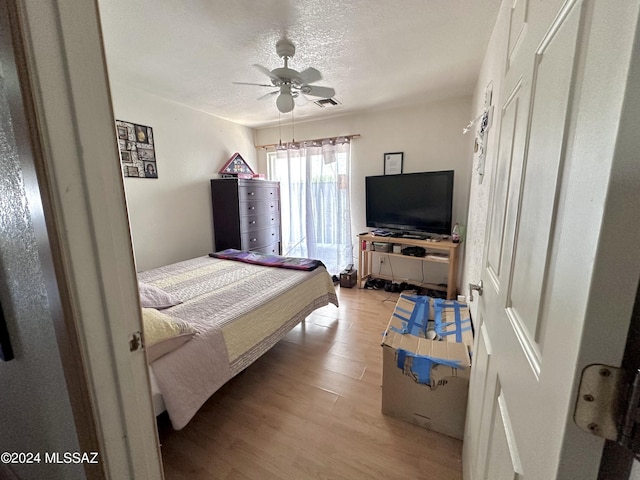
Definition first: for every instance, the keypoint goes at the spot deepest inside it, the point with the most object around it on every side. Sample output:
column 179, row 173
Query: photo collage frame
column 137, row 150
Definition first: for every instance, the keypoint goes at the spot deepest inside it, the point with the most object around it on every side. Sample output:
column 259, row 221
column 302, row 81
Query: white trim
column 66, row 59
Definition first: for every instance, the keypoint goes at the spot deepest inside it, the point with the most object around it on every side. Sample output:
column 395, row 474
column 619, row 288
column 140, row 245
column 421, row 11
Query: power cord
column 388, row 299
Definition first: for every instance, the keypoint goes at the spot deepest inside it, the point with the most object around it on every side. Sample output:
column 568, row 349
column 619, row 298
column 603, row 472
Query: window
column 314, row 191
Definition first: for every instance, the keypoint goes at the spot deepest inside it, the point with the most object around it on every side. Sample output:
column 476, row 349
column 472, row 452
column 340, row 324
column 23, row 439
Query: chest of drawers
column 246, row 214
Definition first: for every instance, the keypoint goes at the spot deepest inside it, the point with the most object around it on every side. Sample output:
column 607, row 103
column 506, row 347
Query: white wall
column 491, row 73
column 430, row 135
column 171, row 216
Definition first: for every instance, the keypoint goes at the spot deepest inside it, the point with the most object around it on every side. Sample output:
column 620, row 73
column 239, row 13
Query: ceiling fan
column 291, row 84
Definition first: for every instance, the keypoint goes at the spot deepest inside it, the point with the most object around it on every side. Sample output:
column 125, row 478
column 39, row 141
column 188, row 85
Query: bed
column 228, row 314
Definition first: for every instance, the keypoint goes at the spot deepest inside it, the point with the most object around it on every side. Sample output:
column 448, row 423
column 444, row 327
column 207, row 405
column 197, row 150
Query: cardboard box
column 425, row 381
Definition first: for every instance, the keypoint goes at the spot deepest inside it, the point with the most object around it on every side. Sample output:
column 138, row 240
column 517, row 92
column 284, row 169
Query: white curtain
column 314, row 191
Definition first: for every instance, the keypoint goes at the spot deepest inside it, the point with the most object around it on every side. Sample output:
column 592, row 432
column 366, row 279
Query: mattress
column 239, row 311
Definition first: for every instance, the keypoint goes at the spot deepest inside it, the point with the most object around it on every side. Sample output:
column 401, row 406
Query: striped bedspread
column 240, row 311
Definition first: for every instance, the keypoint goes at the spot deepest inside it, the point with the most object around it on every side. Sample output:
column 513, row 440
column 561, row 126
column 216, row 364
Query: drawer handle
column 254, row 239
column 273, row 234
column 252, row 208
column 253, row 222
column 252, row 193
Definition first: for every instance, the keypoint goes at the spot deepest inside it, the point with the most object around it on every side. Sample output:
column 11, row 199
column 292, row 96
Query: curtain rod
column 274, row 145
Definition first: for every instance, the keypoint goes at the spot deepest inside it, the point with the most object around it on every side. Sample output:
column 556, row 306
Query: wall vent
column 327, row 102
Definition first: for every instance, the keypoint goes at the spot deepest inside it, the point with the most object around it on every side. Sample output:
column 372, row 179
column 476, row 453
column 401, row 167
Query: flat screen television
column 410, row 203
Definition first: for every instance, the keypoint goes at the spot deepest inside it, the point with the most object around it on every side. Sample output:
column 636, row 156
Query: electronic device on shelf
column 414, row 251
column 412, row 202
column 382, row 247
column 382, row 233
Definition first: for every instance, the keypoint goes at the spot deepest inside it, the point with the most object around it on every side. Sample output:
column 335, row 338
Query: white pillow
column 163, row 334
column 154, row 297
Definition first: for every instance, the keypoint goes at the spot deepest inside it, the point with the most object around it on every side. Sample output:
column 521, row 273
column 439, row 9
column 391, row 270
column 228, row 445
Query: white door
column 560, row 268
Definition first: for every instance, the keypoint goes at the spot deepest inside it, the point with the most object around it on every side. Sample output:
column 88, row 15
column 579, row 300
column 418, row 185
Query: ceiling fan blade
column 310, row 75
column 300, row 99
column 268, row 94
column 267, row 72
column 323, row 92
column 256, row 84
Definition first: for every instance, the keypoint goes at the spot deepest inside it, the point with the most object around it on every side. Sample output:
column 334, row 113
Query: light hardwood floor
column 310, row 409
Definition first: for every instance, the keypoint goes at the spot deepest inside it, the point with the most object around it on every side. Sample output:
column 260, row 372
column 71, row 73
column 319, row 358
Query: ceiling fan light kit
column 291, row 83
column 285, row 102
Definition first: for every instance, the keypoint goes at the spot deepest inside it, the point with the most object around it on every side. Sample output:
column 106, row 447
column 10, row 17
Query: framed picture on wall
column 150, row 170
column 137, row 150
column 393, row 163
column 122, row 132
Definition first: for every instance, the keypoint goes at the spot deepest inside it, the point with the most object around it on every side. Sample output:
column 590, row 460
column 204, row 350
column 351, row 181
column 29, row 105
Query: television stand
column 444, row 251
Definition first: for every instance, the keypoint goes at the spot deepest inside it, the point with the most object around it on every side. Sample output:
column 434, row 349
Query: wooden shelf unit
column 365, row 259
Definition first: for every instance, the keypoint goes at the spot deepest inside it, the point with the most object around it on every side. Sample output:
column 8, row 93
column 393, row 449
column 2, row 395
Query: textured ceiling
column 375, row 53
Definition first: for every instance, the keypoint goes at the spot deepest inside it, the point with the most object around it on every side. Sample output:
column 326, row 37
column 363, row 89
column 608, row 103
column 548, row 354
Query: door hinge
column 607, row 405
column 135, row 342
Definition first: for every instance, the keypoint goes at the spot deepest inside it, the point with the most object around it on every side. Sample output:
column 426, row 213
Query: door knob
column 478, row 288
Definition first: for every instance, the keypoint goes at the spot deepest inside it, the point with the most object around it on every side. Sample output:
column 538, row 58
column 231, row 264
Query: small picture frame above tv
column 393, row 163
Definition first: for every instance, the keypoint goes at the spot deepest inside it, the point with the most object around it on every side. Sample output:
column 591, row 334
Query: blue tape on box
column 457, row 327
column 421, row 365
column 416, row 324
